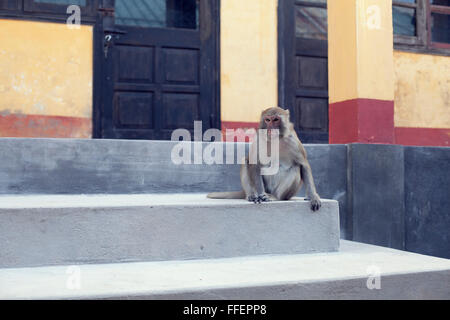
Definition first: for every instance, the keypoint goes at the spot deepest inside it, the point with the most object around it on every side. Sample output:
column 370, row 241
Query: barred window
column 422, row 25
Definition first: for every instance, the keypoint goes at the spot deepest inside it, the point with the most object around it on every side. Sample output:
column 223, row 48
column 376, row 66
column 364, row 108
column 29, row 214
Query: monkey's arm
column 306, row 174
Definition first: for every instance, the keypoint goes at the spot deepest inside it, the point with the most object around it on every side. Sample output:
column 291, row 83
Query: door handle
column 107, row 42
column 110, row 34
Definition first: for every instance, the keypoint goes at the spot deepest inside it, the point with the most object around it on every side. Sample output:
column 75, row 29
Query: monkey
column 294, row 168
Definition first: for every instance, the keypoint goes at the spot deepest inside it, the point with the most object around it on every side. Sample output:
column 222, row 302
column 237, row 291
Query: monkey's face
column 275, row 120
column 272, row 122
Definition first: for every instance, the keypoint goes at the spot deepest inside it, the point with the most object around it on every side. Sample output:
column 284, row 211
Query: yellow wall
column 248, row 58
column 45, row 69
column 342, row 66
column 422, row 90
column 375, row 72
column 360, row 50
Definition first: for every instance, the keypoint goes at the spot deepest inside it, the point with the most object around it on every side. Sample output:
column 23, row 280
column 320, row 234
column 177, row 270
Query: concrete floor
column 336, row 275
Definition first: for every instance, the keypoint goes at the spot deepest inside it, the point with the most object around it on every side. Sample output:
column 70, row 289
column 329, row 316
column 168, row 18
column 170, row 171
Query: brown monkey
column 293, row 165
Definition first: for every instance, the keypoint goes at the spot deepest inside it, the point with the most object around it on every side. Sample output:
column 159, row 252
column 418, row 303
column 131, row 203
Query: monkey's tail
column 227, row 195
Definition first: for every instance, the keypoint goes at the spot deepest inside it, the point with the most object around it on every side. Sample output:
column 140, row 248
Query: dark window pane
column 440, row 2
column 9, row 4
column 440, row 27
column 404, row 20
column 157, row 13
column 66, row 2
column 311, row 23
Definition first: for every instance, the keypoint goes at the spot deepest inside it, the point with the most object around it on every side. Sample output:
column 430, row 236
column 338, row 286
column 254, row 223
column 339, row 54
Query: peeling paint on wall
column 422, row 90
column 46, row 70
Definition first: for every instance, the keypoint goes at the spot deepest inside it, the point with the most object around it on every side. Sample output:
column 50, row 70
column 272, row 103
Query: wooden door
column 303, row 67
column 159, row 68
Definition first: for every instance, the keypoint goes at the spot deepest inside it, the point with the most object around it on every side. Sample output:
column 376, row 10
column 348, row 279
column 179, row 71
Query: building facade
column 366, row 71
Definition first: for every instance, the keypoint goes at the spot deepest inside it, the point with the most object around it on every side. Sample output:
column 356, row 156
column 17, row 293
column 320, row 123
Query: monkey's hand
column 315, row 202
column 259, row 198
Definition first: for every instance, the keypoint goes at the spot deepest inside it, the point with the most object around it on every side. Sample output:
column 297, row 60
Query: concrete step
column 100, row 166
column 95, row 166
column 391, row 274
column 76, row 229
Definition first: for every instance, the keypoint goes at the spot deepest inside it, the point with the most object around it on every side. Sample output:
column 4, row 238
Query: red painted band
column 403, row 135
column 422, row 136
column 42, row 126
column 361, row 121
column 237, row 125
column 240, row 131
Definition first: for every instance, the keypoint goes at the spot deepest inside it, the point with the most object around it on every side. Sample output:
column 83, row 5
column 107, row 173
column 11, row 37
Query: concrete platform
column 44, row 230
column 101, row 166
column 94, row 166
column 336, row 275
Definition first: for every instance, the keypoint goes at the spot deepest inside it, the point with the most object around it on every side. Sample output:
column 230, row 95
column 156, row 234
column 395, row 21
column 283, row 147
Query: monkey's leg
column 288, row 183
column 252, row 183
column 311, row 193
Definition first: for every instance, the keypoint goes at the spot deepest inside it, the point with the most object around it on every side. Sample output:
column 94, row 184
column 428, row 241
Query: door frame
column 106, row 21
column 287, row 44
column 286, row 50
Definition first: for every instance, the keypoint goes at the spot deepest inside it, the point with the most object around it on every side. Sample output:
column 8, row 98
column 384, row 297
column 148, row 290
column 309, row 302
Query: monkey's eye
column 267, row 120
column 276, row 119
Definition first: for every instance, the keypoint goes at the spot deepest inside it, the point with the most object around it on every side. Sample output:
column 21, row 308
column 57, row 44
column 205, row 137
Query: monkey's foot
column 259, row 198
column 316, row 204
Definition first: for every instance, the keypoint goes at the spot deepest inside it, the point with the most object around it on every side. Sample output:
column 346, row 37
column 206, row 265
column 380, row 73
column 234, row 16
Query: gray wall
column 427, row 200
column 388, row 195
column 376, row 196
column 400, row 197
